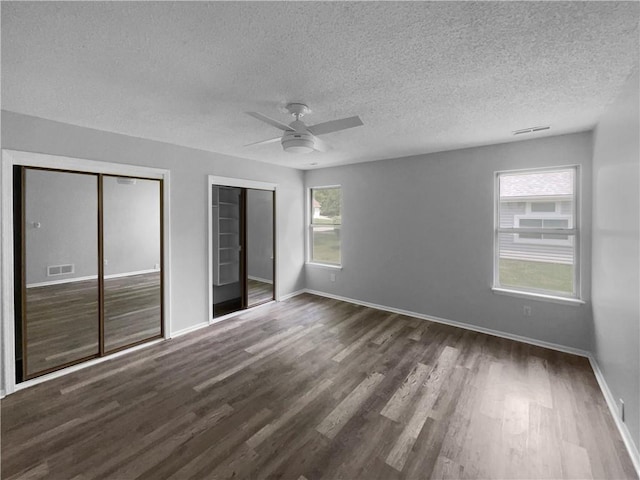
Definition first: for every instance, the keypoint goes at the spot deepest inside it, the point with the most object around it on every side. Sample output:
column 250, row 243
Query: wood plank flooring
column 314, row 388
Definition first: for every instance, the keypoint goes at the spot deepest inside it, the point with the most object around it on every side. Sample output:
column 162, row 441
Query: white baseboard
column 287, row 296
column 258, row 279
column 89, row 277
column 190, row 329
column 466, row 326
column 61, row 281
column 130, row 274
column 613, row 408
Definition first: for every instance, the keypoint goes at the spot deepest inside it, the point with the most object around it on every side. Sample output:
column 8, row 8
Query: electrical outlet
column 332, row 277
column 156, row 266
column 106, row 262
column 621, row 408
column 526, row 311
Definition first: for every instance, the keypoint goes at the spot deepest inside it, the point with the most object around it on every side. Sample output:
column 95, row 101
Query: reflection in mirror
column 132, row 265
column 259, row 246
column 61, row 319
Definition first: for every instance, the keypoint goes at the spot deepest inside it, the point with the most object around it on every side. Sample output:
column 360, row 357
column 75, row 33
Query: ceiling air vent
column 530, row 130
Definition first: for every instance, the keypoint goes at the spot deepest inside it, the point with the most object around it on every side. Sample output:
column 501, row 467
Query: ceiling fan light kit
column 294, row 142
column 297, row 137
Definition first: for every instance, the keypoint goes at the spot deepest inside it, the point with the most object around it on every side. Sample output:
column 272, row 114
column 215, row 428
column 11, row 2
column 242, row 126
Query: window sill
column 324, row 265
column 538, row 296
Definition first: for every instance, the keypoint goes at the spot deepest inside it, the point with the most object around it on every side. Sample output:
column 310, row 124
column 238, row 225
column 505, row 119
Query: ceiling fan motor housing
column 298, row 142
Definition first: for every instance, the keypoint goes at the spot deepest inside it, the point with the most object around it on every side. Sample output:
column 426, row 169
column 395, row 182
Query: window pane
column 326, row 204
column 543, row 206
column 553, row 236
column 552, row 223
column 539, row 266
column 540, row 190
column 530, row 223
column 325, row 246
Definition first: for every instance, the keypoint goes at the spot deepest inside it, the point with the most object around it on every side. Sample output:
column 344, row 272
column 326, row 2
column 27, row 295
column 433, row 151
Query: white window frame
column 311, row 225
column 573, row 232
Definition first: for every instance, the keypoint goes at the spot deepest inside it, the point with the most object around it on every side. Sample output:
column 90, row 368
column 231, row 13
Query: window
column 536, row 232
column 325, row 221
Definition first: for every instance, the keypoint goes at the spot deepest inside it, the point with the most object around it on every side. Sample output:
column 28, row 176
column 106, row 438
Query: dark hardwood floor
column 313, row 388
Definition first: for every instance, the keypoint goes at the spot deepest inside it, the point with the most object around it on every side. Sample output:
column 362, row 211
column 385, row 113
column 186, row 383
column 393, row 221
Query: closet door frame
column 240, row 183
column 11, row 158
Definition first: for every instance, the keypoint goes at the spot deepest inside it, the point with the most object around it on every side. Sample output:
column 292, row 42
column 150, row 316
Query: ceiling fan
column 297, row 136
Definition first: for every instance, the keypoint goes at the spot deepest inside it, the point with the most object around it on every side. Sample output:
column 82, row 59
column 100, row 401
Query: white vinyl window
column 536, row 232
column 325, row 222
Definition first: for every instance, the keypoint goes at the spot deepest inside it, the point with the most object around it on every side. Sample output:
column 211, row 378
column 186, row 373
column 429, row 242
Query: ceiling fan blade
column 335, row 125
column 270, row 121
column 319, row 145
column 262, row 142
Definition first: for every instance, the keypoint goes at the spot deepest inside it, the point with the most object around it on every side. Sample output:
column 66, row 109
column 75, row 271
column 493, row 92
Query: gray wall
column 260, row 234
column 616, row 258
column 65, row 205
column 418, row 235
column 189, row 169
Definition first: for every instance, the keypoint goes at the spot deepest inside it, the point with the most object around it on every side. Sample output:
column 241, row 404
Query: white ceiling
column 423, row 76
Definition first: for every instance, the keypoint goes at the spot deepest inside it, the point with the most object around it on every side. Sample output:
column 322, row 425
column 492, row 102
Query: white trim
column 89, row 277
column 613, row 408
column 83, row 165
column 258, row 279
column 287, row 296
column 538, row 296
column 83, row 365
column 190, row 329
column 7, row 296
column 61, row 281
column 240, row 183
column 330, row 266
column 130, row 274
column 453, row 323
column 14, row 157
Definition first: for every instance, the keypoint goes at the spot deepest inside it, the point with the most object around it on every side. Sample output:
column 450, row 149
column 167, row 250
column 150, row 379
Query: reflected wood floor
column 62, row 319
column 258, row 292
column 314, row 388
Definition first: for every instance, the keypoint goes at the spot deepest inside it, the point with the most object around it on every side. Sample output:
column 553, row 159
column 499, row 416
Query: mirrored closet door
column 60, row 318
column 132, row 252
column 260, row 246
column 242, row 248
column 88, row 266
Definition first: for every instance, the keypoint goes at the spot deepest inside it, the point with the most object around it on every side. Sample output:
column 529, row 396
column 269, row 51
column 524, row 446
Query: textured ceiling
column 423, row 76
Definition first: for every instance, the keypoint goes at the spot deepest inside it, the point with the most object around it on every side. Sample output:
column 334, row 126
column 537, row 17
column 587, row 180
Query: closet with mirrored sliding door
column 88, row 255
column 242, row 245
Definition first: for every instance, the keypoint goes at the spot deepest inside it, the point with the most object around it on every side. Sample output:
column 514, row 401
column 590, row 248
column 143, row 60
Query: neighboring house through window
column 325, row 221
column 536, row 234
